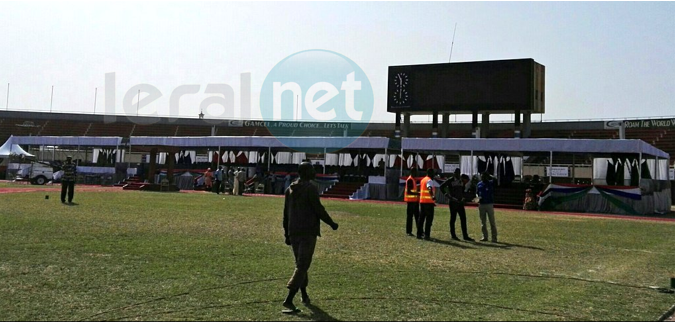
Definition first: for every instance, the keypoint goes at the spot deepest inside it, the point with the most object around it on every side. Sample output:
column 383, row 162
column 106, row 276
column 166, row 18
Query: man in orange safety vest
column 412, row 197
column 427, row 204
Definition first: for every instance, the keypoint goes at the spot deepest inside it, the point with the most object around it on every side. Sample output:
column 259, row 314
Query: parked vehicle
column 38, row 173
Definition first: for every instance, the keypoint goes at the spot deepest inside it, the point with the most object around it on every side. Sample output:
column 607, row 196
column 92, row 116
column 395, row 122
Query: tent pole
column 640, row 168
column 402, row 162
column 573, row 169
column 269, row 158
column 128, row 162
column 550, row 169
column 324, row 160
column 471, row 165
column 592, row 170
column 386, row 162
column 656, row 168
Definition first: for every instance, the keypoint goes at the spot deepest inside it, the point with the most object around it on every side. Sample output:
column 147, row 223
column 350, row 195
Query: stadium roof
column 94, row 141
column 331, row 143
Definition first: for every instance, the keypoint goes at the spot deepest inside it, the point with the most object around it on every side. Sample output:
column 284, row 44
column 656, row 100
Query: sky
column 604, row 60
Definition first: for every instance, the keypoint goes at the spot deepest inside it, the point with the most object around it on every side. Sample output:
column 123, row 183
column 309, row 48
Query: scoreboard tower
column 514, row 86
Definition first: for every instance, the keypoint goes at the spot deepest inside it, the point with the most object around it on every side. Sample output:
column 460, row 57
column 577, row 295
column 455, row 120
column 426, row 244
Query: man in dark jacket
column 302, row 214
column 455, row 189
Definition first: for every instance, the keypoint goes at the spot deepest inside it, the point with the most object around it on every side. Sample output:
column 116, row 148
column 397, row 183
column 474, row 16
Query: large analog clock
column 401, row 88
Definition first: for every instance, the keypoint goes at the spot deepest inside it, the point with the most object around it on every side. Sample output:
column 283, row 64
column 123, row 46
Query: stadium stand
column 35, row 123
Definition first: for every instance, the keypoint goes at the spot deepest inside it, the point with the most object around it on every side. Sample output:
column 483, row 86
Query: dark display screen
column 503, row 85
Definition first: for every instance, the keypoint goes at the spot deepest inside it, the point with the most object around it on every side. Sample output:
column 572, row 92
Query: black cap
column 306, row 171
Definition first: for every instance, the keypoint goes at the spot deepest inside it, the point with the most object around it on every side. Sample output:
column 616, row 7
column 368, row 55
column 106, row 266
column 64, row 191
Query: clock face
column 401, row 88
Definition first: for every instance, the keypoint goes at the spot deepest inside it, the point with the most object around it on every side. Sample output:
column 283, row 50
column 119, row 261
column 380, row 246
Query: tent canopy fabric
column 533, row 145
column 12, row 147
column 93, row 141
column 375, row 143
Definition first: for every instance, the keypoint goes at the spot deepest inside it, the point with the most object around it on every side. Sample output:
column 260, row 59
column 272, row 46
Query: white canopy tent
column 283, row 147
column 595, row 147
column 12, row 147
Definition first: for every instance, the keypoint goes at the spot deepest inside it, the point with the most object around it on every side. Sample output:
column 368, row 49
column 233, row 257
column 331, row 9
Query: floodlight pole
column 95, row 93
column 51, row 102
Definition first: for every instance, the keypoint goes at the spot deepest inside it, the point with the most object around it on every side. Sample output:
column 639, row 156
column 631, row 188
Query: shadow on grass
column 449, row 243
column 509, row 245
column 317, row 314
column 506, row 246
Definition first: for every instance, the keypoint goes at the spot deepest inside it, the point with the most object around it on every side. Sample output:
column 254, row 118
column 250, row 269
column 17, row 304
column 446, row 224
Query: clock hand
column 400, row 92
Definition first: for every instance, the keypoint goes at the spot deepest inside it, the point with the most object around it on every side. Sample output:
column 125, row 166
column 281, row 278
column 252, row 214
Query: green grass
column 153, row 256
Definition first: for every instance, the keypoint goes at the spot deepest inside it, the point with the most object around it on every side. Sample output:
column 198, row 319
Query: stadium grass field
column 199, row 256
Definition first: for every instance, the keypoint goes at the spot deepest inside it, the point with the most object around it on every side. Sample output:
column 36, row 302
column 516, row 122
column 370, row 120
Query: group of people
column 303, row 213
column 421, row 200
column 215, row 181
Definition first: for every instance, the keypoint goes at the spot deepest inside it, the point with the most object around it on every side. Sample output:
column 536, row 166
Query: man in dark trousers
column 241, row 179
column 218, row 176
column 412, row 197
column 486, row 198
column 302, row 215
column 427, row 204
column 68, row 180
column 456, row 189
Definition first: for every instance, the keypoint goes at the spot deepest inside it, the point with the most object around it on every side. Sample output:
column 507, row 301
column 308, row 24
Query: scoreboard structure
column 488, row 87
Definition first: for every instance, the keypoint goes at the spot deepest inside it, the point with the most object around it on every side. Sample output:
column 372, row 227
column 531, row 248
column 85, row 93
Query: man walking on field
column 302, row 215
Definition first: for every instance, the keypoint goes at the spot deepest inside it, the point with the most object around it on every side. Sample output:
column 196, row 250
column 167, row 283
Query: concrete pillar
column 517, row 131
column 434, row 125
column 406, row 125
column 527, row 125
column 485, row 125
column 397, row 130
column 150, row 176
column 445, row 125
column 171, row 161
